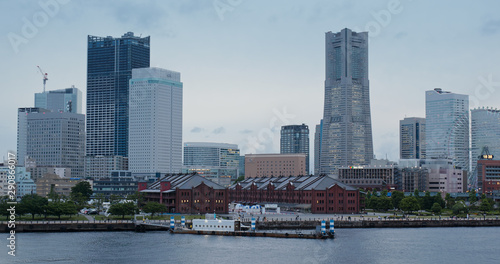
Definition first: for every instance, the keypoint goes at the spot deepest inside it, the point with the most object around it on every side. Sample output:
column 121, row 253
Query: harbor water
column 376, row 245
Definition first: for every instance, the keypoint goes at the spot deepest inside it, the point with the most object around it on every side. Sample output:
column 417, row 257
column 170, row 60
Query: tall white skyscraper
column 485, row 132
column 155, row 129
column 447, row 126
column 347, row 130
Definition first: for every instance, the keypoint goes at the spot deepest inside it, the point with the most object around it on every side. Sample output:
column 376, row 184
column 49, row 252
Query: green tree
column 485, row 206
column 4, row 206
column 436, row 208
column 459, row 207
column 99, row 200
column 241, row 178
column 69, row 208
column 138, row 197
column 80, row 193
column 55, row 209
column 416, row 193
column 427, row 201
column 439, row 199
column 53, row 196
column 383, row 193
column 472, row 197
column 384, row 203
column 450, row 201
column 409, row 204
column 373, row 203
column 113, row 199
column 154, row 207
column 33, row 204
column 396, row 198
column 128, row 208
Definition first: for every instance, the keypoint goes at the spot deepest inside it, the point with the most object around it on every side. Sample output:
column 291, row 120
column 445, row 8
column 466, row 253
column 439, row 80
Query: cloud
column 246, row 131
column 219, row 130
column 491, row 27
column 401, row 35
column 196, row 130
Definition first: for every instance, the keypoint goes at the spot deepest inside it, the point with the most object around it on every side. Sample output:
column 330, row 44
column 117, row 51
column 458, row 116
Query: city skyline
column 211, row 72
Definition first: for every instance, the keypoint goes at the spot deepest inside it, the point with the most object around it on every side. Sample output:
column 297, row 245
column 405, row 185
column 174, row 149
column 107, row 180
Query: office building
column 444, row 177
column 369, row 176
column 317, row 147
column 221, row 157
column 275, row 165
column 447, row 127
column 38, row 172
column 488, row 176
column 98, row 167
column 347, row 130
column 485, row 132
column 109, row 68
column 52, row 139
column 155, row 127
column 63, row 100
column 120, row 183
column 412, row 138
column 61, row 186
column 295, row 139
column 24, row 183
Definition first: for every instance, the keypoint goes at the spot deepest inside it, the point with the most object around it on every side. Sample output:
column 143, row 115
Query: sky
column 250, row 67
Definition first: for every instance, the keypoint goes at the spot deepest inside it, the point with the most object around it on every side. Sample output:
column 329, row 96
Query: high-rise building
column 347, row 130
column 52, row 139
column 447, row 127
column 155, row 133
column 485, row 132
column 295, row 139
column 109, row 68
column 412, row 138
column 218, row 162
column 63, row 100
column 318, row 134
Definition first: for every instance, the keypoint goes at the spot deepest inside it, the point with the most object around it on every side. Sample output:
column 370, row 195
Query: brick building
column 488, row 176
column 187, row 193
column 321, row 194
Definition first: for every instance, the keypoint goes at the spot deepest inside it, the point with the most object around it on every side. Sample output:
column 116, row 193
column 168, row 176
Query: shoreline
column 127, row 225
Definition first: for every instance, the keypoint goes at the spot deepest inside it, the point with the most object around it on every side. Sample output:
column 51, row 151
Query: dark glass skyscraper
column 109, row 68
column 347, row 129
column 295, row 139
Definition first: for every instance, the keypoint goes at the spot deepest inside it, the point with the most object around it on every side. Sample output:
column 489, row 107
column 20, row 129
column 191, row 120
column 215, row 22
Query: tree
column 396, row 198
column 450, row 201
column 154, row 207
column 69, row 208
column 241, row 178
column 436, row 208
column 81, row 192
column 485, row 206
column 409, row 204
column 472, row 197
column 4, row 206
column 55, row 209
column 459, row 207
column 384, row 203
column 128, row 208
column 138, row 197
column 438, row 199
column 99, row 200
column 416, row 193
column 33, row 204
column 427, row 201
column 113, row 199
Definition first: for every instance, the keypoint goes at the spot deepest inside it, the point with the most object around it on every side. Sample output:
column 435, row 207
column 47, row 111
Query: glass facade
column 412, row 138
column 347, row 131
column 485, row 132
column 216, row 155
column 63, row 100
column 109, row 68
column 295, row 139
column 447, row 127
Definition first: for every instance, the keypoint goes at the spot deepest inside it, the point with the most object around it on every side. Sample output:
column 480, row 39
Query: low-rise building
column 275, row 165
column 488, row 176
column 61, row 186
column 186, row 193
column 319, row 194
column 369, row 176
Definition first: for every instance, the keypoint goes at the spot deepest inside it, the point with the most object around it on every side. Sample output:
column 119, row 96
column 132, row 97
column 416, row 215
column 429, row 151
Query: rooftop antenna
column 44, row 74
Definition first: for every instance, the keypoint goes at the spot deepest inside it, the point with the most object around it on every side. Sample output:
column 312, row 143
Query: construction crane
column 44, row 74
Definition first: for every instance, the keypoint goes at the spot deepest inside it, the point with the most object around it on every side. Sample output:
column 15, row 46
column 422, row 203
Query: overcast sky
column 249, row 67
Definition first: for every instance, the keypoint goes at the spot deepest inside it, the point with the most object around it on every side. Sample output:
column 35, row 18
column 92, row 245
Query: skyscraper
column 447, row 127
column 155, row 133
column 318, row 134
column 63, row 100
column 295, row 139
column 109, row 68
column 412, row 138
column 52, row 139
column 347, row 130
column 485, row 132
